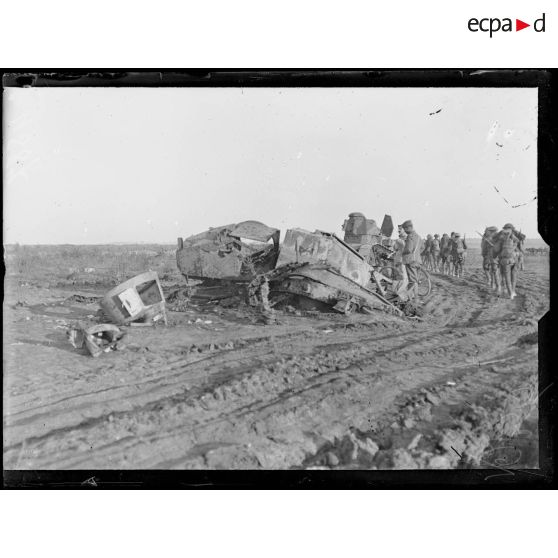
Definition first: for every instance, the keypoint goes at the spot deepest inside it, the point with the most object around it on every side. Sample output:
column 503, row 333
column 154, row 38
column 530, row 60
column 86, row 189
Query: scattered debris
column 331, row 459
column 82, row 299
column 439, row 462
column 98, row 339
column 138, row 299
column 414, row 442
column 435, row 112
column 431, row 398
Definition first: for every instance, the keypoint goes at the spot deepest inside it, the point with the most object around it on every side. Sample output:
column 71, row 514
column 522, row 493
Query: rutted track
column 238, row 395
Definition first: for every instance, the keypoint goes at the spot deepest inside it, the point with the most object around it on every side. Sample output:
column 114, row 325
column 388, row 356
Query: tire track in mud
column 233, row 366
column 225, row 358
column 246, row 395
column 170, row 364
column 178, row 363
column 365, row 357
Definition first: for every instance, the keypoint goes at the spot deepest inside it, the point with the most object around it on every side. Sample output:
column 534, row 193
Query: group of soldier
column 502, row 257
column 502, row 253
column 444, row 255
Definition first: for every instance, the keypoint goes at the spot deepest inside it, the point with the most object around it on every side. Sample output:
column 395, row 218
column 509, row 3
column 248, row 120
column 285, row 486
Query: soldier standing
column 435, row 252
column 411, row 256
column 489, row 262
column 398, row 246
column 425, row 254
column 520, row 249
column 459, row 249
column 505, row 249
column 400, row 278
column 445, row 250
column 451, row 263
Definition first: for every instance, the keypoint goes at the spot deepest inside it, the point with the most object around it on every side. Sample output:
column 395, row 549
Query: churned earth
column 219, row 389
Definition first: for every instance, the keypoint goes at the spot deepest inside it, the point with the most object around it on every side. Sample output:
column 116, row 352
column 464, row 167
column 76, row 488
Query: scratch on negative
column 522, row 204
column 501, row 195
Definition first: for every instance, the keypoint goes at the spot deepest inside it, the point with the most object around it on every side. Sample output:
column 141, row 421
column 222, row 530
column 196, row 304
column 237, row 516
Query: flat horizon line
column 147, row 243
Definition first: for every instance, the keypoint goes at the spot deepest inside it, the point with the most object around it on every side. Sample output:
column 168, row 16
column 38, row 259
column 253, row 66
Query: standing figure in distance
column 398, row 247
column 489, row 261
column 520, row 249
column 445, row 251
column 411, row 257
column 428, row 252
column 505, row 249
column 400, row 275
column 435, row 253
column 459, row 250
column 451, row 262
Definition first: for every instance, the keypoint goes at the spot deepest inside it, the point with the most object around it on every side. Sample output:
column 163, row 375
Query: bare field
column 217, row 389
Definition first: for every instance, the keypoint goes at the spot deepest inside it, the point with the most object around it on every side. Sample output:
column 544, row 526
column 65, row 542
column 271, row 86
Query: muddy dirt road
column 216, row 389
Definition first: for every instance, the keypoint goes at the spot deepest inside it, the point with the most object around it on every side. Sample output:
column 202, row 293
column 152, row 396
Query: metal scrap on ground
column 98, row 339
column 139, row 299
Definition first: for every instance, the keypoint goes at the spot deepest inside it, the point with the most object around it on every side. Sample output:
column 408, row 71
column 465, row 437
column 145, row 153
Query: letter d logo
column 539, row 24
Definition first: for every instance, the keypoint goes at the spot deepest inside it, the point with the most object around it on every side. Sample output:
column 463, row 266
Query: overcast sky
column 92, row 165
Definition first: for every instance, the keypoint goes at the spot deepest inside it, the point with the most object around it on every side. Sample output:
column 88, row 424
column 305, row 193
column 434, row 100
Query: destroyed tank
column 364, row 236
column 226, row 253
column 317, row 265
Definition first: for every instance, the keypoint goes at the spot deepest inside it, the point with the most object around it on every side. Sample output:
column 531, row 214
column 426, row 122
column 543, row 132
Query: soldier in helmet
column 398, row 246
column 489, row 261
column 451, row 266
column 520, row 249
column 425, row 253
column 411, row 256
column 400, row 275
column 435, row 253
column 505, row 249
column 458, row 252
column 445, row 251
